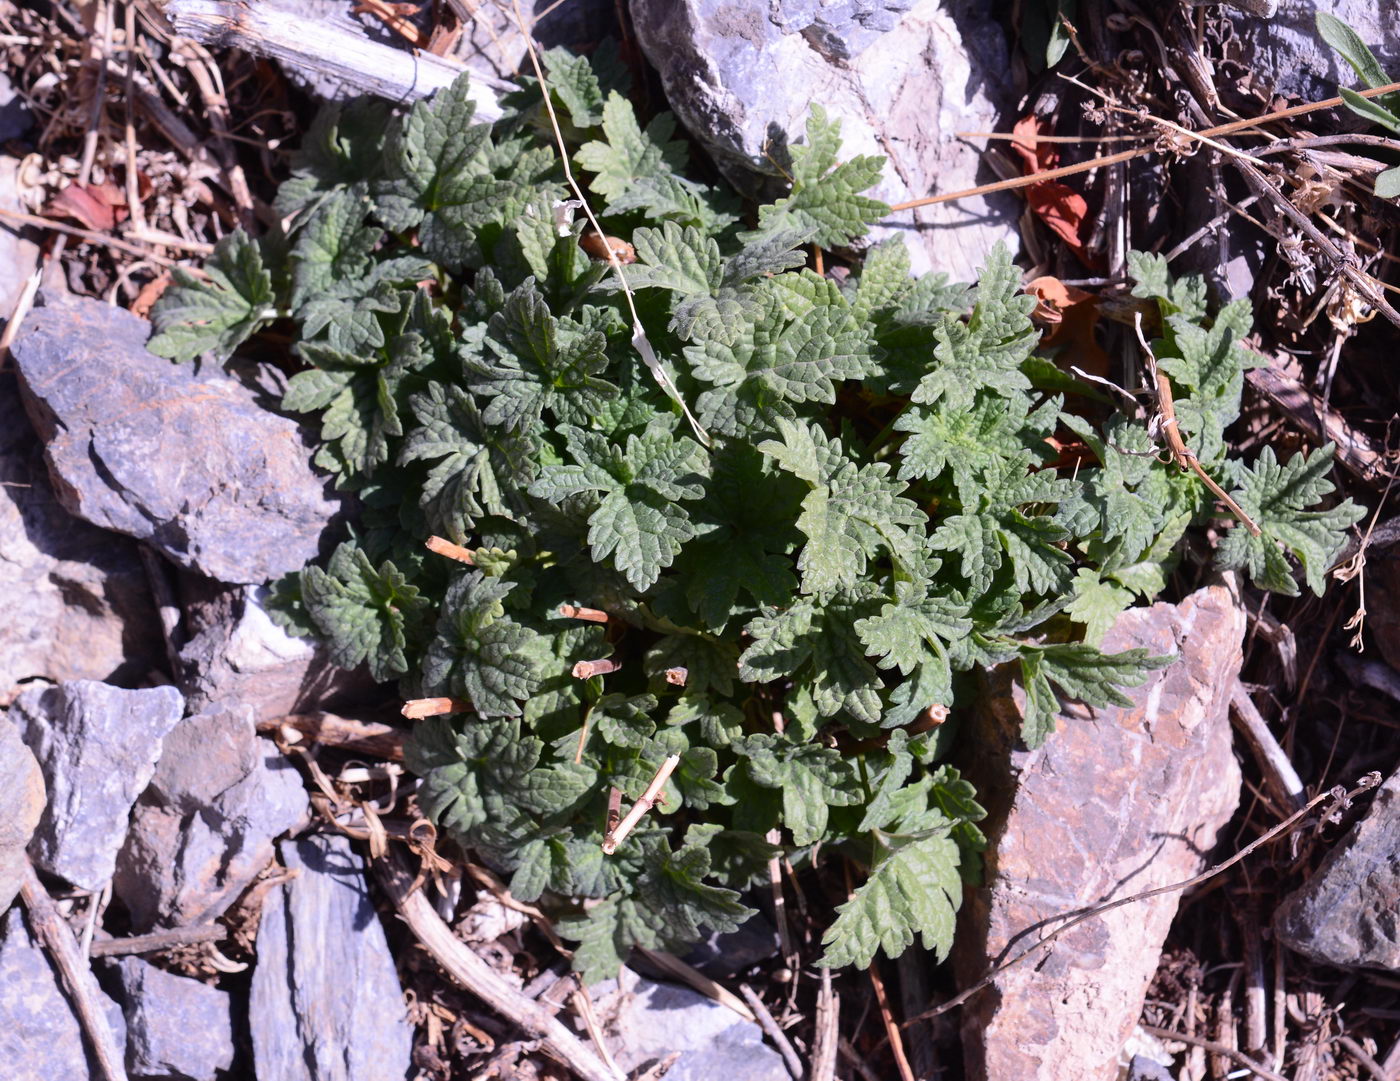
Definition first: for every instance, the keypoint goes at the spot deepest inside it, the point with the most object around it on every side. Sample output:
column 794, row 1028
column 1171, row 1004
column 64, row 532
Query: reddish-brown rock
column 1117, row 801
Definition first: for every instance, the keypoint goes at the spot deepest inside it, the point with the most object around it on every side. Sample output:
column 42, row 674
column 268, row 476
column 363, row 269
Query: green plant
column 1383, row 110
column 869, row 512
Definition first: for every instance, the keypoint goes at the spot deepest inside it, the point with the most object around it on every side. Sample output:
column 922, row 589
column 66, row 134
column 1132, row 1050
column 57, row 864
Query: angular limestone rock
column 1117, row 801
column 193, row 463
column 205, row 827
column 243, row 656
column 22, row 797
column 1286, row 55
column 326, row 1003
column 902, row 77
column 1348, row 912
column 76, row 601
column 176, row 1027
column 98, row 747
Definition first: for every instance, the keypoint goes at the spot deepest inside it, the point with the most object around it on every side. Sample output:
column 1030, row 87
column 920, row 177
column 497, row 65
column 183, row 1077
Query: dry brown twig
column 1127, row 155
column 892, row 1027
column 157, row 941
column 773, row 1032
column 1215, row 1048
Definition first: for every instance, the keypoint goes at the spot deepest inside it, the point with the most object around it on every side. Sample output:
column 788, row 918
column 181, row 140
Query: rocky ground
column 204, row 825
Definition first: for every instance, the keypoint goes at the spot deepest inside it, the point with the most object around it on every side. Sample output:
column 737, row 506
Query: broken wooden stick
column 649, row 799
column 330, row 730
column 593, row 615
column 317, row 48
column 444, row 547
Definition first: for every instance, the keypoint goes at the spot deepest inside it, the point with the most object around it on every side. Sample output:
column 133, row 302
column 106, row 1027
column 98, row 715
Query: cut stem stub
column 417, row 708
column 444, row 547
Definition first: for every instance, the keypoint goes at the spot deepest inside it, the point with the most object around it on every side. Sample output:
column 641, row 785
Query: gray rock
column 650, row 1020
column 326, row 1003
column 98, row 747
column 491, row 44
column 40, row 1039
column 176, row 1027
column 901, row 77
column 205, row 827
column 22, row 797
column 1117, row 801
column 1346, row 913
column 245, row 657
column 1286, row 54
column 203, row 757
column 191, row 462
column 77, row 604
column 15, row 117
column 725, row 954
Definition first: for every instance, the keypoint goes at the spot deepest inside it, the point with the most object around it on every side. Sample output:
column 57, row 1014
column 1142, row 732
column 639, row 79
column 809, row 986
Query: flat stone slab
column 176, row 1027
column 76, row 600
column 326, row 1003
column 205, row 827
column 1117, row 801
column 22, row 800
column 190, row 461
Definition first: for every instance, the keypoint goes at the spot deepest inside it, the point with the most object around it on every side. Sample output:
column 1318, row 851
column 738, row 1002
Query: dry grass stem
column 674, row 966
column 901, row 1060
column 640, row 341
